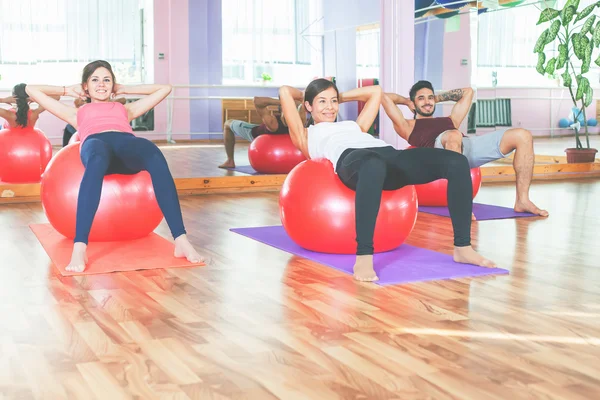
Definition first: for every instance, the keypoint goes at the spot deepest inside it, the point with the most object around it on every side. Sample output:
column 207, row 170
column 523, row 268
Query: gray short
column 242, row 129
column 480, row 150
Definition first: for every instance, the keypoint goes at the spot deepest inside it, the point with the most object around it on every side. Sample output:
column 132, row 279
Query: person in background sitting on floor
column 271, row 125
column 442, row 133
column 368, row 165
column 109, row 146
column 20, row 115
column 70, row 130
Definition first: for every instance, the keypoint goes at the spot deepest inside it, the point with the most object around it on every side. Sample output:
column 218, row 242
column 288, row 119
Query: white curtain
column 48, row 41
column 258, row 35
column 367, row 53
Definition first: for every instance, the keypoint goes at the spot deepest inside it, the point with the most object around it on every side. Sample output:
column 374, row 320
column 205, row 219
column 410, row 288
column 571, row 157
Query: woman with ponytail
column 20, row 116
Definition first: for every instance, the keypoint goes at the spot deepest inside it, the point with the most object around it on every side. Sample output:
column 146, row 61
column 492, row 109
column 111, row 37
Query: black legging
column 370, row 171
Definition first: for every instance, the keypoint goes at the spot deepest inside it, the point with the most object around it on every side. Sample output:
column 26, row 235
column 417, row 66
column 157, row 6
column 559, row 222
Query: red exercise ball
column 317, row 211
column 274, row 154
column 24, row 155
column 436, row 193
column 128, row 209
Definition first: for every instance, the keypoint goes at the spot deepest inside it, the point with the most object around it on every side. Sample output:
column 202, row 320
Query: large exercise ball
column 318, row 211
column 274, row 154
column 128, row 209
column 24, row 155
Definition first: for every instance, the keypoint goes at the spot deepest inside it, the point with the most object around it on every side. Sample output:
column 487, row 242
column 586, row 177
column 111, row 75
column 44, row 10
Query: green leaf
column 585, row 67
column 574, row 3
column 576, row 45
column 588, row 96
column 566, row 79
column 597, row 62
column 597, row 35
column 582, row 85
column 584, row 46
column 567, row 15
column 552, row 32
column 541, row 42
column 587, row 27
column 562, row 56
column 540, row 65
column 550, row 66
column 548, row 15
column 587, row 57
column 584, row 13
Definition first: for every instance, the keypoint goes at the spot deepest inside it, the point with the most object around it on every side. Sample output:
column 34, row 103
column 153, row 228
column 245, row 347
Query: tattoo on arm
column 453, row 95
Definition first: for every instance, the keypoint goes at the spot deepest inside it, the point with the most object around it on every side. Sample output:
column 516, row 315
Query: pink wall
column 171, row 38
column 457, row 46
column 397, row 46
column 532, row 108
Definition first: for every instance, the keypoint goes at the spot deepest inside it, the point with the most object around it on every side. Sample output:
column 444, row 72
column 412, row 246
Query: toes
column 368, row 279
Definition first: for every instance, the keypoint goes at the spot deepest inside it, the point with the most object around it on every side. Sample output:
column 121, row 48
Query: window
column 271, row 37
column 506, row 38
column 50, row 41
column 367, row 52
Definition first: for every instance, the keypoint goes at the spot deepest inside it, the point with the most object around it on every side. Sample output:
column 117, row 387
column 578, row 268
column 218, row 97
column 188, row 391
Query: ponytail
column 21, row 98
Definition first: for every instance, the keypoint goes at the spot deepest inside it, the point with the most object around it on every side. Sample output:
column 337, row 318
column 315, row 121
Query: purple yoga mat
column 246, row 169
column 482, row 212
column 404, row 264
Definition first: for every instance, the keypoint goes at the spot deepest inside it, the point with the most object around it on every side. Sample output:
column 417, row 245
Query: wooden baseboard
column 30, row 192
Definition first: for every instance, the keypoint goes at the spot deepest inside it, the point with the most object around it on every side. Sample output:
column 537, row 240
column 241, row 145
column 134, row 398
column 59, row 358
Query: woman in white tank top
column 369, row 165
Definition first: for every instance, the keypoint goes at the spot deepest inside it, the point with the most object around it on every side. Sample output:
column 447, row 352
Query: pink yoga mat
column 402, row 265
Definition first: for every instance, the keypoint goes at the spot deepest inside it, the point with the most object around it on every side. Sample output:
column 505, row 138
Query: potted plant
column 577, row 38
column 266, row 78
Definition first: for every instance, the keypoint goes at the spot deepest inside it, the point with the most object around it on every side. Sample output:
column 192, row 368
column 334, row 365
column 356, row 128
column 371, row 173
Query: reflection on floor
column 201, row 159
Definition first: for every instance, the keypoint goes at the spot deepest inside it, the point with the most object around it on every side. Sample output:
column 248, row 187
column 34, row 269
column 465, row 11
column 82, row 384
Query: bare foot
column 466, row 255
column 183, row 248
column 473, row 217
column 78, row 258
column 363, row 269
column 528, row 206
column 228, row 164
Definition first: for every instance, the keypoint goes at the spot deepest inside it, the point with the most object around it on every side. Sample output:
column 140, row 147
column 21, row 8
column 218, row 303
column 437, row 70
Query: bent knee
column 515, row 137
column 452, row 136
column 523, row 134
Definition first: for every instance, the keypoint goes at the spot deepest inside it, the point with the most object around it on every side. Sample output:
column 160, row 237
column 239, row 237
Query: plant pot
column 575, row 155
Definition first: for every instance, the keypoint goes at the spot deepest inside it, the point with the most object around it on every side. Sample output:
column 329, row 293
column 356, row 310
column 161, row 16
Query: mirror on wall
column 222, row 54
column 446, row 36
column 511, row 92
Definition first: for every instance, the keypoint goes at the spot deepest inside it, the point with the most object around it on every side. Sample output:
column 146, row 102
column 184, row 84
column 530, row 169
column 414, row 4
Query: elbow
column 30, row 90
column 377, row 93
column 284, row 90
column 258, row 101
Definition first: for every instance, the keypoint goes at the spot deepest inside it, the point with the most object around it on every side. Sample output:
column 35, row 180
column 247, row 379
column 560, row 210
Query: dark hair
column 89, row 69
column 418, row 86
column 314, row 88
column 21, row 98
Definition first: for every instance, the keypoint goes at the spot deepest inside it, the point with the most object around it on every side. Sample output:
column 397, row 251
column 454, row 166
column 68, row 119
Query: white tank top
column 330, row 139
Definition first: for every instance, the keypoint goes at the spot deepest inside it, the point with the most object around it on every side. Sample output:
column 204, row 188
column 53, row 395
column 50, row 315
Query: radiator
column 494, row 112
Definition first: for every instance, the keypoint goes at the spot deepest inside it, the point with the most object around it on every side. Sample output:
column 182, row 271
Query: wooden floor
column 258, row 323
